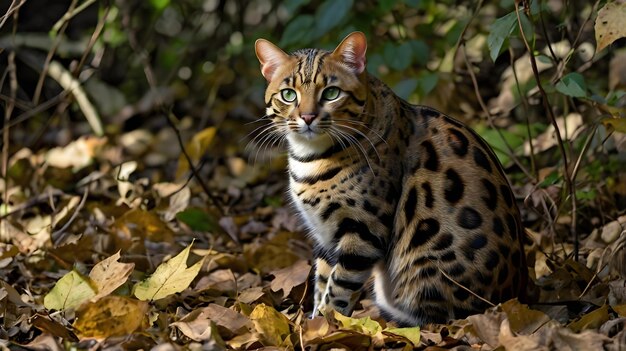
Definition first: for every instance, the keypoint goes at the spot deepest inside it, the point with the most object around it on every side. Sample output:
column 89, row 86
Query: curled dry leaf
column 77, row 154
column 109, row 274
column 290, row 277
column 197, row 325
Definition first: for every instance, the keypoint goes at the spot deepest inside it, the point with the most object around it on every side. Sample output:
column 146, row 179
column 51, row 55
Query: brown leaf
column 610, row 23
column 110, row 316
column 290, row 277
column 49, row 325
column 198, row 324
column 522, row 319
column 109, row 274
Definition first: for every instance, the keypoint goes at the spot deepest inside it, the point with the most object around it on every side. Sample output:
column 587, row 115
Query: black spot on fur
column 349, row 225
column 493, row 258
column 470, row 255
column 428, row 195
column 458, row 142
column 444, row 241
column 461, row 295
column 447, row 257
column 469, row 218
column 491, row 198
column 485, row 279
column 425, row 230
column 354, row 262
column 456, row 270
column 503, row 275
column 409, row 205
column 507, row 194
column 512, row 225
column 481, row 159
column 332, row 207
column 498, row 227
column 432, row 160
column 341, row 303
column 351, row 202
column 454, row 187
column 478, row 242
column 504, row 251
column 367, row 206
column 430, row 113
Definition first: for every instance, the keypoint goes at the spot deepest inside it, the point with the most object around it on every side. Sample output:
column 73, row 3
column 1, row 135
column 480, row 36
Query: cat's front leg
column 343, row 277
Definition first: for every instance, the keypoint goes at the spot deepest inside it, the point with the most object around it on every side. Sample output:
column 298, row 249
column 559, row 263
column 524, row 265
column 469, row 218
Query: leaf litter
column 107, row 254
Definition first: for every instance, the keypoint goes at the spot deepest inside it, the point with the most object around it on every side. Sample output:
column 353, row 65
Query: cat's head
column 315, row 96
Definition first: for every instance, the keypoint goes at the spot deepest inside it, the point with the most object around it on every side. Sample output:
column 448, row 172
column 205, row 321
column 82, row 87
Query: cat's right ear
column 270, row 56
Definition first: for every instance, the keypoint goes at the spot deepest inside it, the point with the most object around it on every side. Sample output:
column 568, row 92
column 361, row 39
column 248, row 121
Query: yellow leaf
column 610, row 23
column 69, row 292
column 412, row 334
column 591, row 320
column 362, row 325
column 195, row 148
column 618, row 124
column 522, row 319
column 620, row 309
column 109, row 274
column 169, row 278
column 271, row 324
column 110, row 316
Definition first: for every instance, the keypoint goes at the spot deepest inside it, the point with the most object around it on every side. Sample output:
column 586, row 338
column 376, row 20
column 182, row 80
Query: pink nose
column 308, row 119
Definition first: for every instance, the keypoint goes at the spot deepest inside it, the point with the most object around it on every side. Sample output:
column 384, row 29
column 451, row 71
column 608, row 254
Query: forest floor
column 105, row 254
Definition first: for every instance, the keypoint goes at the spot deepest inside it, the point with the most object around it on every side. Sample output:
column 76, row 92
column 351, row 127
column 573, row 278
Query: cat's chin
column 309, row 142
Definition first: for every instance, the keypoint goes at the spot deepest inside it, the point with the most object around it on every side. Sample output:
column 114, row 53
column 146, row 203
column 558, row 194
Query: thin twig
column 13, row 8
column 51, row 52
column 465, row 288
column 522, row 96
column 482, row 104
column 71, row 220
column 548, row 108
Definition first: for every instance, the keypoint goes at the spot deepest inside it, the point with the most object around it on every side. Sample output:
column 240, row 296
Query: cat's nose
column 308, row 119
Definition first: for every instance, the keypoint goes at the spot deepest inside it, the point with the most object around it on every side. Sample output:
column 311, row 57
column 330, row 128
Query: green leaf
column 298, row 31
column 160, row 4
column 69, row 292
column 330, row 14
column 405, row 87
column 428, row 82
column 197, row 219
column 500, row 31
column 572, row 84
column 412, row 334
column 293, row 5
column 421, row 51
column 398, row 57
column 386, row 5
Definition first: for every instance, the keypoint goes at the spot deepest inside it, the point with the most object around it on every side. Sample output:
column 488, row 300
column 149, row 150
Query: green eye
column 288, row 95
column 330, row 93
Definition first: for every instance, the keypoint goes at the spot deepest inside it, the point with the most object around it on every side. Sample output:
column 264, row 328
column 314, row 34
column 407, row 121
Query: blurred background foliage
column 139, row 62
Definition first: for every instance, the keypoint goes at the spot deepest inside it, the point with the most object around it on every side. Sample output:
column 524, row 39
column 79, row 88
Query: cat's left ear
column 352, row 51
column 270, row 56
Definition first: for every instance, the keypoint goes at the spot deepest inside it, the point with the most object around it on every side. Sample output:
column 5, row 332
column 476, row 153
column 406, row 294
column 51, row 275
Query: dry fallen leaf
column 272, row 325
column 170, row 277
column 610, row 23
column 290, row 277
column 110, row 316
column 109, row 274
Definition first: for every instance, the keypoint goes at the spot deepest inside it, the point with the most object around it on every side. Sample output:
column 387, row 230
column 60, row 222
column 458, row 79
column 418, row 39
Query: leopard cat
column 401, row 192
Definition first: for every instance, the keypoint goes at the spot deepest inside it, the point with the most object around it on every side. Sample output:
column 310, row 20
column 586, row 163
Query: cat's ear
column 270, row 56
column 352, row 51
